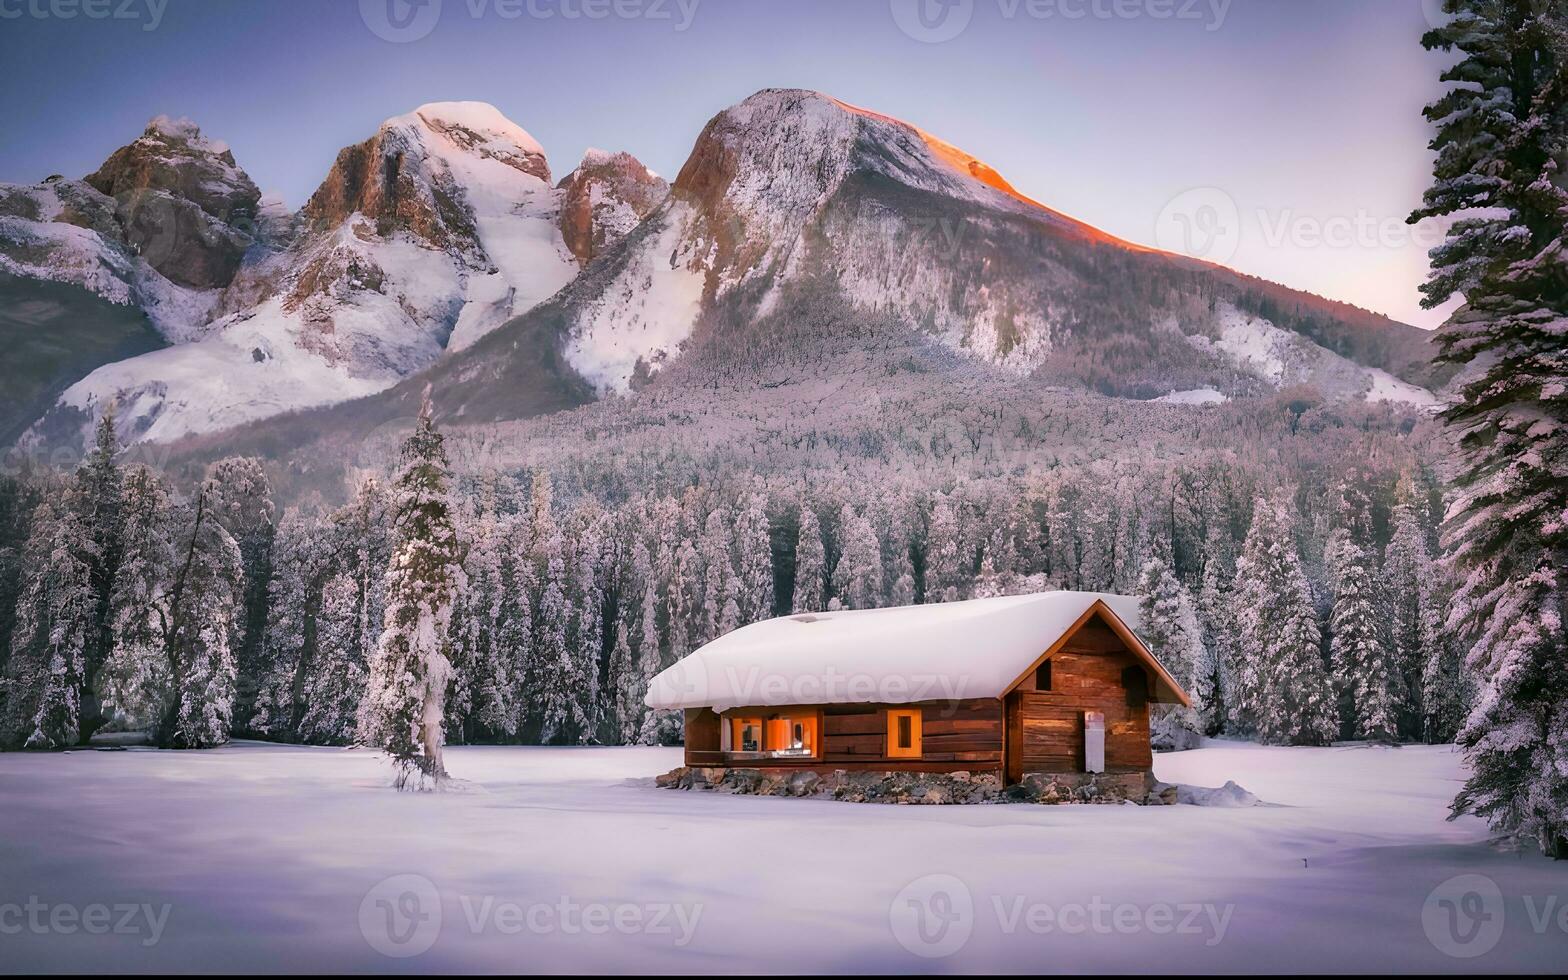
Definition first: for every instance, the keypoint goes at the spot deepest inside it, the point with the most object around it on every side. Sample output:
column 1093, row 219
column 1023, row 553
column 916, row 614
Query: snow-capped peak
column 478, row 117
column 474, row 130
column 185, row 129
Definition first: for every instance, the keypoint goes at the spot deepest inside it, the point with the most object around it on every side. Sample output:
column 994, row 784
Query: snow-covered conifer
column 1365, row 663
column 403, row 711
column 810, row 563
column 1283, row 691
column 1168, row 622
column 1502, row 139
column 857, row 579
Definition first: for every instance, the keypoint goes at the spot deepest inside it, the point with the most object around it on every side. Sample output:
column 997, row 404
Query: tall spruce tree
column 100, row 496
column 810, row 563
column 1414, row 616
column 132, row 683
column 1501, row 142
column 203, row 622
column 1365, row 663
column 55, row 624
column 403, row 708
column 1283, row 692
column 1169, row 623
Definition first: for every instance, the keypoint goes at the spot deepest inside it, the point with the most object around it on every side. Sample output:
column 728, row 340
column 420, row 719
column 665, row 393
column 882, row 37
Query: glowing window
column 903, row 734
column 779, row 735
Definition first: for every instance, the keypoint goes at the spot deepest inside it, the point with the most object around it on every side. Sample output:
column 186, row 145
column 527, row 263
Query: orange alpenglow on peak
column 983, row 172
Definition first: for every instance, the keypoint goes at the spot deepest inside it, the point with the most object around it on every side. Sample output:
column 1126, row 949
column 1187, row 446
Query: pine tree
column 1216, row 616
column 1502, row 137
column 717, row 573
column 132, row 683
column 585, row 624
column 479, row 672
column 1365, row 663
column 648, row 665
column 1414, row 617
column 552, row 667
column 201, row 613
column 754, row 568
column 100, row 495
column 1169, row 624
column 857, row 579
column 1283, row 693
column 351, row 618
column 944, row 554
column 290, row 641
column 242, row 504
column 55, row 623
column 403, row 711
column 626, row 718
column 810, row 564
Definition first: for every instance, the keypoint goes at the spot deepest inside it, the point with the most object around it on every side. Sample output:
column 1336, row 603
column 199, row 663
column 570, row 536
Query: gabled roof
column 981, row 648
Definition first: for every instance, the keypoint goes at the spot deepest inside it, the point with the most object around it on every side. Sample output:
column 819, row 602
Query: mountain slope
column 422, row 239
column 793, row 203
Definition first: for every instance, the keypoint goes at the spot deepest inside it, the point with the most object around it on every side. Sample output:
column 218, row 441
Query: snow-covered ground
column 255, row 857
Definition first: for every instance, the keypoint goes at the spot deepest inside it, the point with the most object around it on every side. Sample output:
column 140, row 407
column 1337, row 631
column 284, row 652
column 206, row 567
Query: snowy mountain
column 440, row 248
column 422, row 239
column 132, row 257
column 604, row 199
column 794, row 206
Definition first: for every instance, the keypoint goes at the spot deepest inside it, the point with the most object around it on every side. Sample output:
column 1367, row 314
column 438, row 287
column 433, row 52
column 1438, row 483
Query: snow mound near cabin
column 1229, row 795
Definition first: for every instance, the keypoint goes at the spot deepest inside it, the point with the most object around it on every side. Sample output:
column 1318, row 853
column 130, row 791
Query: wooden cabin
column 1056, row 682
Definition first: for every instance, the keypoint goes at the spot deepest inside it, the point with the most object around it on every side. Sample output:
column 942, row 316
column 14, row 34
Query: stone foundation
column 924, row 788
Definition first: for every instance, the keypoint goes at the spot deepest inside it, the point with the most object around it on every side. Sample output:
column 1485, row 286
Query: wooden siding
column 1028, row 731
column 1087, row 676
column 955, row 735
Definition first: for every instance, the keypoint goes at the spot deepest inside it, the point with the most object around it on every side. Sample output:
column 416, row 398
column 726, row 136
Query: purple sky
column 1281, row 136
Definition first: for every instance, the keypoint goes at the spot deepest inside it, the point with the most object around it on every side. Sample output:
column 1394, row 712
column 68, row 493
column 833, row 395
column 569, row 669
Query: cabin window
column 778, row 735
column 747, row 735
column 1042, row 677
column 903, row 734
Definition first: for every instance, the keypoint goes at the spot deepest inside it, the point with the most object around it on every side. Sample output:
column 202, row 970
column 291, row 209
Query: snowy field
column 255, row 858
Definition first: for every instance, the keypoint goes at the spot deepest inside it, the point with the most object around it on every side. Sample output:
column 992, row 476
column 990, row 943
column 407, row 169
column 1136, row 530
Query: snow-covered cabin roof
column 980, row 648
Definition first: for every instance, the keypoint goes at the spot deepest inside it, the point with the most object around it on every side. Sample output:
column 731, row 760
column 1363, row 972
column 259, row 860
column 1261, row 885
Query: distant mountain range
column 441, row 250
